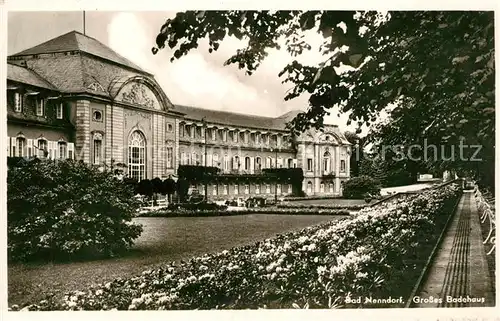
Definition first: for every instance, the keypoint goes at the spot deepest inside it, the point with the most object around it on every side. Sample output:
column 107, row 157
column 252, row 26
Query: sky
column 199, row 79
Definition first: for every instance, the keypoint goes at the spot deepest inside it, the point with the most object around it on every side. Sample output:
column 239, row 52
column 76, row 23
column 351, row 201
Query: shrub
column 68, row 210
column 360, row 187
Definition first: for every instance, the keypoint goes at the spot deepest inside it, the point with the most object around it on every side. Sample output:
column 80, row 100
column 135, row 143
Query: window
column 321, row 188
column 97, row 152
column 309, row 188
column 247, row 189
column 42, row 148
column 137, row 156
column 214, row 189
column 245, row 137
column 257, row 163
column 236, row 162
column 170, row 157
column 224, row 135
column 289, row 189
column 226, row 162
column 195, row 159
column 59, row 111
column 183, row 159
column 268, row 188
column 236, row 189
column 224, row 190
column 170, row 128
column 268, row 162
column 268, row 139
column 235, row 136
column 62, row 147
column 247, row 163
column 214, row 134
column 18, row 102
column 97, row 115
column 257, row 138
column 280, row 162
column 330, row 187
column 278, row 189
column 326, row 163
column 309, row 165
column 215, row 160
column 192, row 131
column 342, row 165
column 257, row 189
column 40, row 107
column 278, row 140
column 181, row 130
column 21, row 145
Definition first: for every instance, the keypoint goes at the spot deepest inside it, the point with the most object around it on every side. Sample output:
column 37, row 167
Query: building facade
column 73, row 97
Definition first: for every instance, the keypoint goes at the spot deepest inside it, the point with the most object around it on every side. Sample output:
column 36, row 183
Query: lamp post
column 205, row 150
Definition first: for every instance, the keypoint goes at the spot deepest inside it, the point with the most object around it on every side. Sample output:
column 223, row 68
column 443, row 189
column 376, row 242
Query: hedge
column 379, row 253
column 244, row 211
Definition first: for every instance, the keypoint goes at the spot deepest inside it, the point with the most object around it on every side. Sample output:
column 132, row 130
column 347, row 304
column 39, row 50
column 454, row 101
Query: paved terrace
column 459, row 268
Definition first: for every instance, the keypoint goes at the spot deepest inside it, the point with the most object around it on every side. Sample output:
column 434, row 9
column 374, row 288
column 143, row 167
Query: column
column 337, row 169
column 317, row 168
column 176, row 145
column 82, row 142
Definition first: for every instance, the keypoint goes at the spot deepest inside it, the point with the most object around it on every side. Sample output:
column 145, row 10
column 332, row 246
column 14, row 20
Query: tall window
column 236, row 162
column 21, row 145
column 137, row 156
column 170, row 157
column 247, row 163
column 268, row 162
column 59, row 111
column 224, row 135
column 215, row 160
column 257, row 138
column 290, row 163
column 257, row 189
column 226, row 162
column 181, row 130
column 62, row 147
column 183, row 158
column 342, row 165
column 309, row 164
column 225, row 190
column 42, row 148
column 214, row 189
column 321, row 188
column 326, row 162
column 309, row 187
column 40, row 107
column 236, row 191
column 235, row 136
column 257, row 163
column 268, row 189
column 18, row 102
column 278, row 189
column 245, row 137
column 280, row 162
column 247, row 189
column 330, row 187
column 214, row 133
column 97, row 151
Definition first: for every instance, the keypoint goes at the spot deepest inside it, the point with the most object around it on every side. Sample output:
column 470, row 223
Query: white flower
column 99, row 292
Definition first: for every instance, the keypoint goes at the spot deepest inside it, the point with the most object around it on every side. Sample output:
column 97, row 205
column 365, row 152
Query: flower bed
column 378, row 253
column 323, row 207
column 242, row 211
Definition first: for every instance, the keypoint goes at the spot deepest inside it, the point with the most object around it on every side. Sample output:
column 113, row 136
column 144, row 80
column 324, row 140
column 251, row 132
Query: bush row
column 379, row 253
column 242, row 211
column 353, row 207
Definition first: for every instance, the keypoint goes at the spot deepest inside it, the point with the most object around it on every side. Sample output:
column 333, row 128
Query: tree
column 431, row 66
column 145, row 187
column 169, row 187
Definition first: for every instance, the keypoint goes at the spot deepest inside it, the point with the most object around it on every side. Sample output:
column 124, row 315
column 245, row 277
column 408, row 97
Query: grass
column 163, row 240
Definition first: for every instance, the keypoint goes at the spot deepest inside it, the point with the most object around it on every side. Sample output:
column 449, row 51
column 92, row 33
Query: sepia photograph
column 250, row 159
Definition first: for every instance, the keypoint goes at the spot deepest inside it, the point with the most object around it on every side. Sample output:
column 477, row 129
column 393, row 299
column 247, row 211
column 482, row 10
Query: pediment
column 137, row 93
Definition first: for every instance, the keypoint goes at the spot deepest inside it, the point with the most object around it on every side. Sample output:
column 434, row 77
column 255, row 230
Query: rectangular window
column 59, row 111
column 214, row 134
column 342, row 165
column 257, row 189
column 278, row 141
column 257, row 138
column 224, row 135
column 235, row 136
column 181, row 130
column 278, row 189
column 321, row 188
column 268, row 139
column 40, row 107
column 62, row 150
column 247, row 189
column 309, row 165
column 97, row 151
column 268, row 189
column 21, row 145
column 245, row 137
column 289, row 189
column 224, row 191
column 170, row 157
column 18, row 102
column 214, row 190
column 236, row 191
column 42, row 148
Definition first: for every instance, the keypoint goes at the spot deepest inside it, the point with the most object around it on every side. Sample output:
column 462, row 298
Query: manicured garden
column 379, row 253
column 162, row 240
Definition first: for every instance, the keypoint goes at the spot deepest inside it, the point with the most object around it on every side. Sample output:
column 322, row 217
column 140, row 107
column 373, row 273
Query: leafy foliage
column 359, row 187
column 432, row 66
column 379, row 253
column 67, row 210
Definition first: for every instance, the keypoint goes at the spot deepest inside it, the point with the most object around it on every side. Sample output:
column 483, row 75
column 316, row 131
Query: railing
column 486, row 213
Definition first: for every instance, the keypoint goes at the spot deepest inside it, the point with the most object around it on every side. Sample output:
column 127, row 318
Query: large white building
column 73, row 97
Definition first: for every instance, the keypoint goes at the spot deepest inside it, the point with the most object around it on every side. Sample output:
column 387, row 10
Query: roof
column 236, row 119
column 76, row 41
column 27, row 76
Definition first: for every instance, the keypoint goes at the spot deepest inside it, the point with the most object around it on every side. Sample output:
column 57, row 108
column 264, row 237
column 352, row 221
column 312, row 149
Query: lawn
column 163, row 240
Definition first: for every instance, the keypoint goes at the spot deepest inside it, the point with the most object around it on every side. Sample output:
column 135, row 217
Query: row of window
column 247, row 163
column 327, row 167
column 41, row 148
column 331, row 188
column 39, row 102
column 266, row 189
column 214, row 134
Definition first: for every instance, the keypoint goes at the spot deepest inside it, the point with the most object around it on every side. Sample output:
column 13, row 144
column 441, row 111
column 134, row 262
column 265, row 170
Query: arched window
column 258, row 163
column 21, row 146
column 97, row 148
column 309, row 187
column 247, row 163
column 236, row 162
column 326, row 162
column 42, row 148
column 269, row 162
column 137, row 156
column 62, row 148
